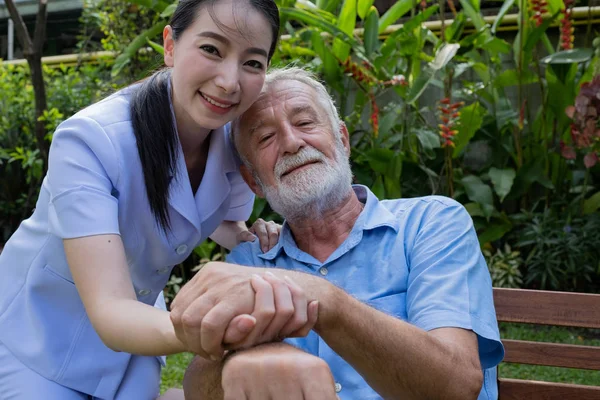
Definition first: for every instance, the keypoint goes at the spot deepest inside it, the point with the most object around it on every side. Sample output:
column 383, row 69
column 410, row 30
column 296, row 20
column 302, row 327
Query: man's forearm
column 202, row 380
column 397, row 359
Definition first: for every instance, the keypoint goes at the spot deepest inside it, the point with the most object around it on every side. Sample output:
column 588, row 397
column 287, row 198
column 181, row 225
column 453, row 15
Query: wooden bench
column 548, row 308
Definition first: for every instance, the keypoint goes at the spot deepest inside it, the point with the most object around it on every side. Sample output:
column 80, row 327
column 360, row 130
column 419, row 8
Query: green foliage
column 69, row 89
column 505, row 267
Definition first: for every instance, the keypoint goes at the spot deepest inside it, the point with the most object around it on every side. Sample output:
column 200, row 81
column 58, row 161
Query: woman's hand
column 267, row 233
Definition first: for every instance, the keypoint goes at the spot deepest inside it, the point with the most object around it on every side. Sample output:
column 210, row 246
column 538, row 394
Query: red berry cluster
column 538, row 9
column 374, row 115
column 566, row 26
column 448, row 114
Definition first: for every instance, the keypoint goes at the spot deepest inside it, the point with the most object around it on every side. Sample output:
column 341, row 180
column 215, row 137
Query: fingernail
column 270, row 274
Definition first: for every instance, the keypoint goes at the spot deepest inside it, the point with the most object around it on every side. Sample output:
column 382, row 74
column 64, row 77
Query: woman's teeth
column 211, row 101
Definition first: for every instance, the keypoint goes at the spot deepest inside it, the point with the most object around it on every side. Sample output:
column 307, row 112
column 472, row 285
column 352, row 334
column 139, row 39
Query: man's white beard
column 313, row 190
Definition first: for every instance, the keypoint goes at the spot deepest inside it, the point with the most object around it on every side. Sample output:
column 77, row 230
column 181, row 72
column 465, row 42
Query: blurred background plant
column 498, row 111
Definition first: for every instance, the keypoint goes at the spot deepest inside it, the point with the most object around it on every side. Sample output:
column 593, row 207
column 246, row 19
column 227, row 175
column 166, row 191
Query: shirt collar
column 373, row 215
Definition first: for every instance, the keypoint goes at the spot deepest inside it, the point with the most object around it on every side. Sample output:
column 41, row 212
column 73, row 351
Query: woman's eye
column 210, row 49
column 255, row 64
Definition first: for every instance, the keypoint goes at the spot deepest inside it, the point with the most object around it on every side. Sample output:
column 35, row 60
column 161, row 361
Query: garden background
column 495, row 104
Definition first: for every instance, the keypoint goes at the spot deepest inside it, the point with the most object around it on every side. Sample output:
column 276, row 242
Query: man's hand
column 226, row 304
column 277, row 371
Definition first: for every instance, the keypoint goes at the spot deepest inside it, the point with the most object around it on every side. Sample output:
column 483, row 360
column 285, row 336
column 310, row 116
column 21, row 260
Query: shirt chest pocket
column 394, row 305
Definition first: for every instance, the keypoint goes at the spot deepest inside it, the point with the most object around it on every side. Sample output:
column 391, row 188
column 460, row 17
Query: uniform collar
column 374, row 215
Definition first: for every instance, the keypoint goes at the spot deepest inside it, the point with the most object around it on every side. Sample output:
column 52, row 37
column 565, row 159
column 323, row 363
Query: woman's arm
column 102, row 278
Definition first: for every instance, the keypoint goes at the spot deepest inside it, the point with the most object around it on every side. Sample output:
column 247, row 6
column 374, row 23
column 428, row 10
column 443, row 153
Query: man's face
column 287, row 138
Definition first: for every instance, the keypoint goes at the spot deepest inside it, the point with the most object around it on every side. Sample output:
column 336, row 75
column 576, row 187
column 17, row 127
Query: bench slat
column 552, row 354
column 516, row 389
column 547, row 307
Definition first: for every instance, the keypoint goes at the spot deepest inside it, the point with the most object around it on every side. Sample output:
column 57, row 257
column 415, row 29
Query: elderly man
column 405, row 307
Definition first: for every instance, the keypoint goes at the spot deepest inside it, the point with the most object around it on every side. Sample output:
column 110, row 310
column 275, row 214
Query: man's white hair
column 293, row 74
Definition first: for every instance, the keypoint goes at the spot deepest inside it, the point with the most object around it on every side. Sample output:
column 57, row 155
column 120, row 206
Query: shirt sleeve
column 242, row 255
column 449, row 283
column 82, row 172
column 242, row 199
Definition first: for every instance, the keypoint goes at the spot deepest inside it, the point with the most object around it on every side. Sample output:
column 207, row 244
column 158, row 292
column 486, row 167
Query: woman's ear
column 169, row 46
column 250, row 181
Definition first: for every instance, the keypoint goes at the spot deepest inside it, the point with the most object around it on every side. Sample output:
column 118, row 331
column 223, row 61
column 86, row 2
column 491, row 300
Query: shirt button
column 338, row 387
column 323, row 271
column 144, row 292
column 181, row 249
column 163, row 270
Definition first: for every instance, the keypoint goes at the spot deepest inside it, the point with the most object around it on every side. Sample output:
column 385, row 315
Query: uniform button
column 144, row 292
column 338, row 387
column 323, row 271
column 181, row 249
column 163, row 270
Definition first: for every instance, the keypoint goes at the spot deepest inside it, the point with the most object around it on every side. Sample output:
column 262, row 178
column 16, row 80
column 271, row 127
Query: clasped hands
column 231, row 307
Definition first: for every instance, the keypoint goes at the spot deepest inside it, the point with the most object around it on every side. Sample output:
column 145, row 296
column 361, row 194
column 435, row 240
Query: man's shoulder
column 419, row 205
column 246, row 253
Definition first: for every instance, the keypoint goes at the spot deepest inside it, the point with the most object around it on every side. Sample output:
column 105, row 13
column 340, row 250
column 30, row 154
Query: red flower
column 448, row 115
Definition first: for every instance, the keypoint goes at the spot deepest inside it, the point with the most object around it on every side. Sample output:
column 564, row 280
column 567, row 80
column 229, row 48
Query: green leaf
column 472, row 11
column 419, row 85
column 378, row 188
column 555, row 5
column 502, row 179
column 506, row 6
column 474, row 209
column 169, row 11
column 317, row 22
column 135, row 45
column 494, row 231
column 363, row 8
column 479, row 192
column 592, row 204
column 454, row 31
column 470, row 120
column 510, row 77
column 535, row 35
column 371, row 37
column 568, row 56
column 394, row 13
column 379, row 159
column 157, row 47
column 330, row 64
column 428, row 139
column 346, row 23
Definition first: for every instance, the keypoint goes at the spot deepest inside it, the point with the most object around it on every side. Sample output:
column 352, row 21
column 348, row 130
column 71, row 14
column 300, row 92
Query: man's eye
column 210, row 49
column 264, row 138
column 255, row 64
column 304, row 123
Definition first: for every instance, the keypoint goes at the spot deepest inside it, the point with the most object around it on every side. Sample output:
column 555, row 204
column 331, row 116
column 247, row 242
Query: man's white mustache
column 304, row 156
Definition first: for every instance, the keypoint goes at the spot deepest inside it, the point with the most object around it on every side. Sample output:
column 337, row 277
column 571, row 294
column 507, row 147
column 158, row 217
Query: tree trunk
column 32, row 50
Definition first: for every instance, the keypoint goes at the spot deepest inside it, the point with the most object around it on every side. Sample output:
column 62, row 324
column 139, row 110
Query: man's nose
column 291, row 142
column 227, row 78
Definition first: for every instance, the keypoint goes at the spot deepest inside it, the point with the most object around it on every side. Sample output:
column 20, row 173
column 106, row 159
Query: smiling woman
column 135, row 182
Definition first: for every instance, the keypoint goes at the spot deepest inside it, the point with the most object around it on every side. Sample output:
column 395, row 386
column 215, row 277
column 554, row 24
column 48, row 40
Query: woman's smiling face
column 219, row 64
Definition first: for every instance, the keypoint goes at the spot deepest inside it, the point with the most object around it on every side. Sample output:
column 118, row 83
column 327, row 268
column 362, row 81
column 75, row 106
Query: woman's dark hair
column 151, row 117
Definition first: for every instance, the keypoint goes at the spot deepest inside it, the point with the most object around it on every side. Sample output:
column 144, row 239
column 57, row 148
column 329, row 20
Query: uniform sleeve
column 242, row 199
column 82, row 172
column 449, row 283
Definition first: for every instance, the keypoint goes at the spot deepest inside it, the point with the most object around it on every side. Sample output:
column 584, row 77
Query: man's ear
column 169, row 46
column 345, row 137
column 250, row 181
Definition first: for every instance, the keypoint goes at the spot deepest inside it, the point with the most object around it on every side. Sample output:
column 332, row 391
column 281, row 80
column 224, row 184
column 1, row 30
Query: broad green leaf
column 371, row 37
column 419, row 85
column 428, row 139
column 479, row 192
column 157, row 47
column 363, row 7
column 495, row 230
column 555, row 5
column 592, row 204
column 470, row 120
column 510, row 77
column 474, row 209
column 455, row 30
column 568, row 56
column 169, row 11
column 124, row 58
column 506, row 6
column 330, row 64
column 502, row 179
column 378, row 189
column 394, row 13
column 328, row 5
column 379, row 159
column 444, row 55
column 346, row 23
column 472, row 11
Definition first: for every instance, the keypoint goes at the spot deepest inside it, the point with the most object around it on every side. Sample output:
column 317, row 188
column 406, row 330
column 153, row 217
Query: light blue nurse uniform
column 94, row 186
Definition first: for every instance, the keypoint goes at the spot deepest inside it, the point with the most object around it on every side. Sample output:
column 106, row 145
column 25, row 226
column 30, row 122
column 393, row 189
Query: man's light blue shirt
column 415, row 259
